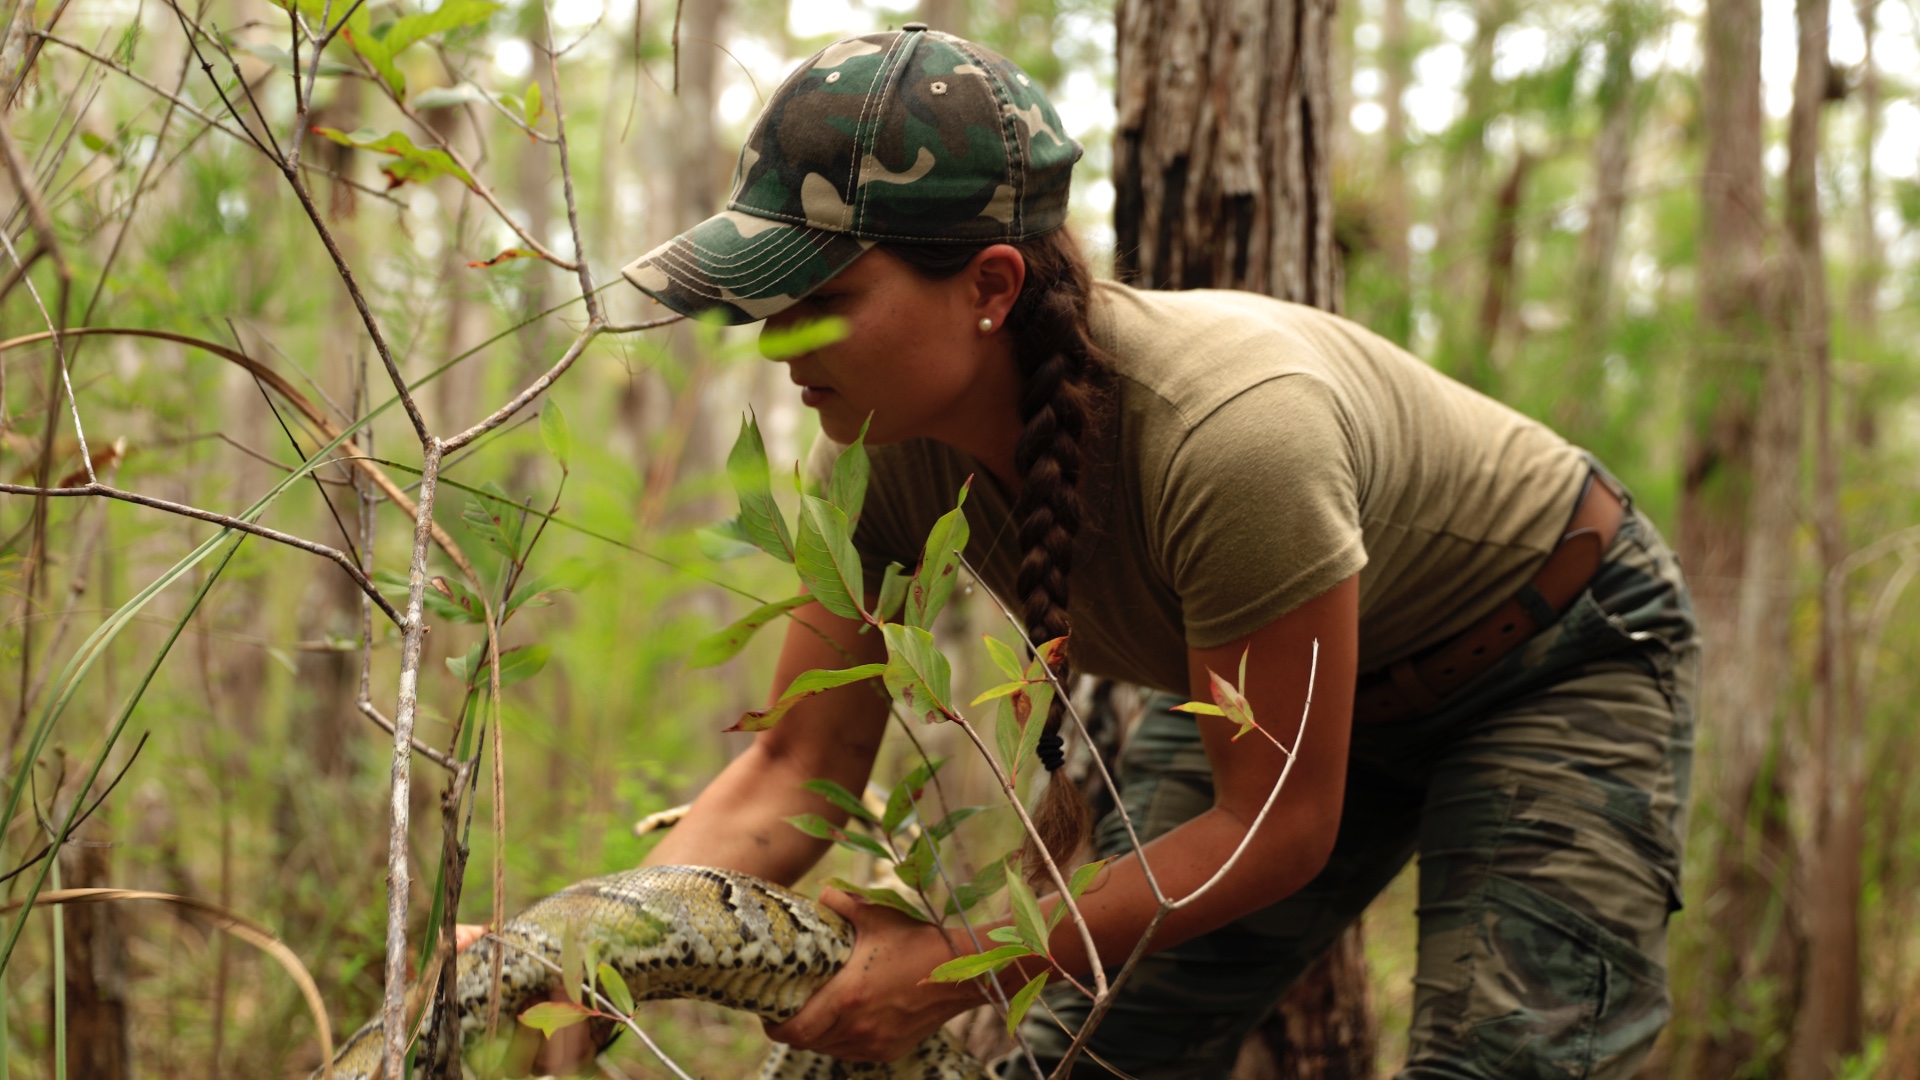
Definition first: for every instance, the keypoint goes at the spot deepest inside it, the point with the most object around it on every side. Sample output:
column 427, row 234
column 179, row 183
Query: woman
column 1505, row 651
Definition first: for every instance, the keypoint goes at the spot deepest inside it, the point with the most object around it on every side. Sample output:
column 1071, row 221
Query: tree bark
column 1396, row 214
column 1503, row 253
column 99, row 1038
column 1222, row 176
column 1829, row 1023
column 1738, row 513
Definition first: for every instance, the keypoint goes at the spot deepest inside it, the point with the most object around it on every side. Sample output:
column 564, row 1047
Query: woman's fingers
column 465, row 934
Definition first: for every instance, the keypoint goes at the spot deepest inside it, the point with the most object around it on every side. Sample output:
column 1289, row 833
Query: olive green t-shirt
column 1255, row 454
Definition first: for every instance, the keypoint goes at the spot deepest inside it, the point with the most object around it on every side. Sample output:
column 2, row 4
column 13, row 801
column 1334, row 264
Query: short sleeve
column 888, row 515
column 1260, row 510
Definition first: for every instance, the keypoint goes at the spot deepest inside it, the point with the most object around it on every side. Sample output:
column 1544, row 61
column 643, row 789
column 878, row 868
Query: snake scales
column 678, row 932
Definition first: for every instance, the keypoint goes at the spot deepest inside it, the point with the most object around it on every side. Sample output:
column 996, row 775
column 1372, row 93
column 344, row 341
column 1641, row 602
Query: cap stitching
column 875, row 90
column 888, row 77
column 1016, row 164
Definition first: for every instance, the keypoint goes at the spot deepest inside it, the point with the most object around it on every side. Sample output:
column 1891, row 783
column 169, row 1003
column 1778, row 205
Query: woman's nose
column 772, row 328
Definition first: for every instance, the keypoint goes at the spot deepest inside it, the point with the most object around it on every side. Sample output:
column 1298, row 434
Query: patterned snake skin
column 679, row 932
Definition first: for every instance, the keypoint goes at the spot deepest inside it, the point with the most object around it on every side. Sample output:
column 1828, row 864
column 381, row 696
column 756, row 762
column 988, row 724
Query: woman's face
column 914, row 356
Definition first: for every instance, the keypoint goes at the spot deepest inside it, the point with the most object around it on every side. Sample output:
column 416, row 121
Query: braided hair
column 1065, row 383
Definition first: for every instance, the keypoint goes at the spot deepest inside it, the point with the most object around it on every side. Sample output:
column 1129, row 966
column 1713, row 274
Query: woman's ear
column 996, row 275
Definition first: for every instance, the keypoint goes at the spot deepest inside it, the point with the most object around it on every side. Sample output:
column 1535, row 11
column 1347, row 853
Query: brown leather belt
column 1417, row 684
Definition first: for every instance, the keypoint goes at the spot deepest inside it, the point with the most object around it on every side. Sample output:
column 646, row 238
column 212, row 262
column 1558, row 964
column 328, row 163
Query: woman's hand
column 880, row 1005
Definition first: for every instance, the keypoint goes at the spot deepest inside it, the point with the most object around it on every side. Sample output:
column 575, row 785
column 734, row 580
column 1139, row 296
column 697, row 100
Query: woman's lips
column 814, row 396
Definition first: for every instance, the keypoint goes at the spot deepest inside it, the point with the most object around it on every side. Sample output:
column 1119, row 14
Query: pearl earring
column 986, row 326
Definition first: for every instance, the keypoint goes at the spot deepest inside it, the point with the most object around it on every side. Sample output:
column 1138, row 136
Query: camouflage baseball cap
column 911, row 135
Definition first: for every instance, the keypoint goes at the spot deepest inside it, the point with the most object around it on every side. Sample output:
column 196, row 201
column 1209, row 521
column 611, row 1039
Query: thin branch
column 372, row 713
column 87, row 813
column 203, row 116
column 650, row 324
column 394, row 1010
column 1105, row 1001
column 525, row 397
column 566, row 170
column 225, row 521
column 601, row 1002
column 1066, row 701
column 1046, row 858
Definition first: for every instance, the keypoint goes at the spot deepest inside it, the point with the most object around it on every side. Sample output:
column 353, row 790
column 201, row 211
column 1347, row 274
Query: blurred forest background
column 1683, row 234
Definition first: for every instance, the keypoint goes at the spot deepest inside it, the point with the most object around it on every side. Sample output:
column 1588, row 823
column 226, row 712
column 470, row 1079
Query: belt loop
column 1536, row 606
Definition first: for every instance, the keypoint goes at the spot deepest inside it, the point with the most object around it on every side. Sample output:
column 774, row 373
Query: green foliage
column 804, row 686
column 412, row 164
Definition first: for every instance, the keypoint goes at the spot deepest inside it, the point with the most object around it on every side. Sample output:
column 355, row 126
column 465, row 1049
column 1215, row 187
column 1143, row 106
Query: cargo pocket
column 1555, row 995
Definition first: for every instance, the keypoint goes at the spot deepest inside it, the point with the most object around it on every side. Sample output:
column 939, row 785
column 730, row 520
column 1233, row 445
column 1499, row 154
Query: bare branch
column 394, row 1009
column 1080, row 725
column 225, row 521
column 1046, row 858
column 650, row 324
column 523, row 398
column 59, row 351
column 566, row 171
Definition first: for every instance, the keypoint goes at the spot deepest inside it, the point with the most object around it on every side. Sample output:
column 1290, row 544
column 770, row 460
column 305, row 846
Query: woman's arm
column 876, row 1008
column 739, row 821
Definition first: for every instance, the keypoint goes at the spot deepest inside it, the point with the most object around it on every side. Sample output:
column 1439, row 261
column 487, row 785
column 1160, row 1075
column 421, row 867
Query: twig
column 372, row 713
column 628, row 328
column 1046, row 858
column 223, row 520
column 85, row 814
column 600, row 1001
column 200, row 114
column 394, row 1011
column 1066, row 702
column 1105, row 1001
column 523, row 398
column 566, row 170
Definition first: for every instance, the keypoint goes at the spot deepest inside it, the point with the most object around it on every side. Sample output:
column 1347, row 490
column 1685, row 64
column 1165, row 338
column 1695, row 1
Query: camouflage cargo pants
column 1546, row 803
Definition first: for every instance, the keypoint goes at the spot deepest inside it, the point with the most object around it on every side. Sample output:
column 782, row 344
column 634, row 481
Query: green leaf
column 888, row 897
column 573, row 962
column 413, row 164
column 944, row 828
column 916, row 870
column 805, row 685
column 900, row 800
column 990, row 880
column 760, row 519
column 534, row 591
column 939, row 564
column 825, row 556
column 1008, row 934
column 1004, row 657
column 727, row 540
column 615, row 988
column 726, row 644
column 452, row 600
column 360, row 37
column 551, row 1016
column 917, row 673
column 963, row 968
column 1084, row 876
column 999, row 692
column 1026, row 914
column 893, row 592
column 441, row 97
column 450, row 15
column 841, row 798
column 802, row 337
column 494, row 521
column 555, row 432
column 1006, row 736
column 516, row 665
column 1023, row 1000
column 848, row 489
column 817, row 826
column 532, row 108
column 1199, row 708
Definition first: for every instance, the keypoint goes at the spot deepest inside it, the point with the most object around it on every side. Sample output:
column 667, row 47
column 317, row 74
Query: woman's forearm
column 739, row 823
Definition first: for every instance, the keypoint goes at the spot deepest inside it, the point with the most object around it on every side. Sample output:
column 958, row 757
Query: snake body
column 676, row 932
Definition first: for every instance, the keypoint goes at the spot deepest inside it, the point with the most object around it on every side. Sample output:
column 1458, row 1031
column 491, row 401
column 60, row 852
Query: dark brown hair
column 1065, row 384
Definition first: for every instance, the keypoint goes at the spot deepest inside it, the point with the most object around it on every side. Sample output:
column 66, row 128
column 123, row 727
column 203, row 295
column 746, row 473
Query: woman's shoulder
column 1199, row 349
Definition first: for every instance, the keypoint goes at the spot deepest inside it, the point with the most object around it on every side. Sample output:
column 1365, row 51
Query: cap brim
column 741, row 268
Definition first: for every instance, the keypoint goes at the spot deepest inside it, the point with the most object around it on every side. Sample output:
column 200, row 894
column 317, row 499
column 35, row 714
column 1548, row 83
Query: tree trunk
column 1396, row 213
column 1222, row 179
column 1221, row 156
column 1503, row 252
column 1829, row 1024
column 1738, row 512
column 99, row 1040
